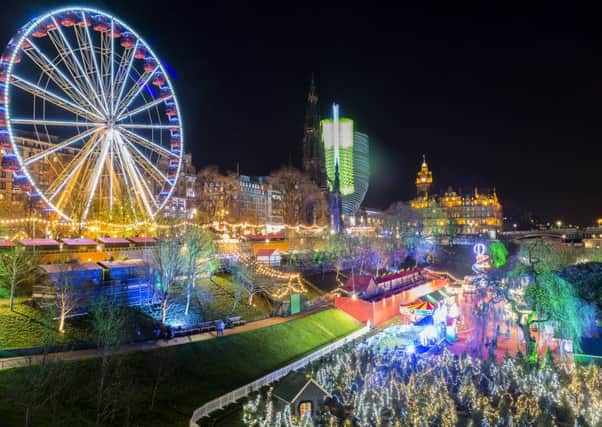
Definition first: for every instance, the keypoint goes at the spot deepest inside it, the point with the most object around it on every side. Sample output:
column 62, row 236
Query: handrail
column 231, row 397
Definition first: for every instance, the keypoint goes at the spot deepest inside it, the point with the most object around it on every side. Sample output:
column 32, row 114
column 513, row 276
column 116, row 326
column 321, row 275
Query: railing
column 231, row 397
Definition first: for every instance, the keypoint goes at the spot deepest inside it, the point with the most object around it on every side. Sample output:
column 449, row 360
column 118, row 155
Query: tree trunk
column 62, row 321
column 529, row 343
column 101, row 385
column 13, row 285
column 164, row 311
column 27, row 417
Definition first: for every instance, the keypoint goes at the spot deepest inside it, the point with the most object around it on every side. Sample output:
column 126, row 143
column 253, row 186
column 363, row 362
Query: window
column 305, row 409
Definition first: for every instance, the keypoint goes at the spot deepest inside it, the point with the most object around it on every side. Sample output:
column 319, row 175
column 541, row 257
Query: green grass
column 25, row 327
column 195, row 373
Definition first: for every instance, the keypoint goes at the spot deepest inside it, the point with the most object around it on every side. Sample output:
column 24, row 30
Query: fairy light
column 385, row 387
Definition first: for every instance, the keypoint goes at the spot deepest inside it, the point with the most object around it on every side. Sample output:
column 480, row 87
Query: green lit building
column 350, row 150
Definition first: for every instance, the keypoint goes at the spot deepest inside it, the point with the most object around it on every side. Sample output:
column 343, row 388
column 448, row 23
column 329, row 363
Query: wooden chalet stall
column 378, row 299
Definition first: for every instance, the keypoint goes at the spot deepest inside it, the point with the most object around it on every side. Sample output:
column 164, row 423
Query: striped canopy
column 420, row 307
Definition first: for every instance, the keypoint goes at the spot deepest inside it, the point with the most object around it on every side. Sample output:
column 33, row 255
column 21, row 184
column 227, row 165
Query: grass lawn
column 193, row 373
column 25, row 327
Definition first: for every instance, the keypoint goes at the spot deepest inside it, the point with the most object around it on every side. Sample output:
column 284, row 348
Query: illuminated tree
column 17, row 265
column 546, row 297
column 497, row 254
column 198, row 257
column 167, row 264
column 403, row 221
column 65, row 294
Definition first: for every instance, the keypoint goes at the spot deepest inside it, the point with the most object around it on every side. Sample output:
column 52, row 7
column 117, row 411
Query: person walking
column 219, row 326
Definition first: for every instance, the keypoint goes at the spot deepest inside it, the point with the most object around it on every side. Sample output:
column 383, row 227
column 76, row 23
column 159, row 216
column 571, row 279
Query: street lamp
column 559, row 223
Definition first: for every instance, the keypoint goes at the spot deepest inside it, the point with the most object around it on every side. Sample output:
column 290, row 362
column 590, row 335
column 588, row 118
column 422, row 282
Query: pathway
column 21, row 361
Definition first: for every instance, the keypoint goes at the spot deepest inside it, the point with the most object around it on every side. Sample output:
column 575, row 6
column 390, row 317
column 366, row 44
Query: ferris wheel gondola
column 89, row 119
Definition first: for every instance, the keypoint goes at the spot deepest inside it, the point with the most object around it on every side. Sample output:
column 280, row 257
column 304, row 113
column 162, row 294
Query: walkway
column 69, row 356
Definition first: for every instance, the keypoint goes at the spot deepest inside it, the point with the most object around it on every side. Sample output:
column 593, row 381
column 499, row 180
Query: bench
column 234, row 321
column 206, row 326
column 191, row 330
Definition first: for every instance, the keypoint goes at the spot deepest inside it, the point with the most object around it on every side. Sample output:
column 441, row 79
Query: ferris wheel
column 89, row 121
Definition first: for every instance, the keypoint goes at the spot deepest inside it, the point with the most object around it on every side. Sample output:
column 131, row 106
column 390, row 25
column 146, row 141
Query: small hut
column 303, row 395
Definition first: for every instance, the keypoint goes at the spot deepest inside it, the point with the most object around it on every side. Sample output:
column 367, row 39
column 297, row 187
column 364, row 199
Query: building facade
column 347, row 150
column 451, row 213
column 258, row 202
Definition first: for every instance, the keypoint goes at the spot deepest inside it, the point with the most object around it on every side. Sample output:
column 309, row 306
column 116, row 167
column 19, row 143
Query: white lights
column 118, row 146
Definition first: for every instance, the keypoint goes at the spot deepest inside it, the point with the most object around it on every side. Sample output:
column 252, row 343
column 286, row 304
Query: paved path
column 20, row 361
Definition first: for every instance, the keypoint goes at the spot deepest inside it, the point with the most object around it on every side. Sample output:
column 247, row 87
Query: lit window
column 305, row 409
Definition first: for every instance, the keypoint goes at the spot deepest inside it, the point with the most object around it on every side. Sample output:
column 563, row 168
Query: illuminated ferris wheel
column 89, row 121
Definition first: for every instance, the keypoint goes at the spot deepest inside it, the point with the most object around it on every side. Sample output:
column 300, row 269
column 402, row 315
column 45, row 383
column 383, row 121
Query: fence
column 234, row 395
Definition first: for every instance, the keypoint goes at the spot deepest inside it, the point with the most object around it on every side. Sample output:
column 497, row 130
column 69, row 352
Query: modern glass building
column 350, row 150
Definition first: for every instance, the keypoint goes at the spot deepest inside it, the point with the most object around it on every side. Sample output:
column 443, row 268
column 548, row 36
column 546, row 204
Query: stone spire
column 313, row 153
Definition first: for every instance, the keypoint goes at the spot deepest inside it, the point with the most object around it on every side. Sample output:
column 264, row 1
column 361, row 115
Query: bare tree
column 198, row 253
column 216, row 193
column 108, row 322
column 167, row 264
column 65, row 295
column 245, row 279
column 303, row 202
column 17, row 265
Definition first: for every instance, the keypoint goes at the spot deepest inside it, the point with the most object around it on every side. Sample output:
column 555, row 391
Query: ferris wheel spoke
column 142, row 108
column 134, row 91
column 53, row 98
column 43, row 154
column 146, row 191
column 100, row 163
column 58, row 77
column 72, row 167
column 138, row 182
column 112, row 77
column 93, row 63
column 34, row 122
column 123, row 76
column 63, row 47
column 146, row 126
column 149, row 166
column 127, row 181
column 147, row 144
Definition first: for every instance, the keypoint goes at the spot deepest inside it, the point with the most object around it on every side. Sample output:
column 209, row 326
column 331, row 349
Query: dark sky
column 494, row 96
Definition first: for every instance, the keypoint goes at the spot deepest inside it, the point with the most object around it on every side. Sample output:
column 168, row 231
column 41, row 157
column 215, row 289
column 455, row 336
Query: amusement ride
column 90, row 125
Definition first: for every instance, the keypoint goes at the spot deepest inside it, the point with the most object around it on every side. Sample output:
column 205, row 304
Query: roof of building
column 272, row 236
column 136, row 262
column 142, row 240
column 361, row 283
column 113, row 240
column 79, row 242
column 267, row 252
column 72, row 266
column 398, row 275
column 39, row 242
column 5, row 243
column 292, row 385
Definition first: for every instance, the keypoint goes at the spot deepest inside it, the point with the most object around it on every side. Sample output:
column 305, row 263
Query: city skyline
column 485, row 104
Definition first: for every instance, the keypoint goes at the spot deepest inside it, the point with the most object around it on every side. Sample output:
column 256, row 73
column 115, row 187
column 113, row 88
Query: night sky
column 495, row 97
